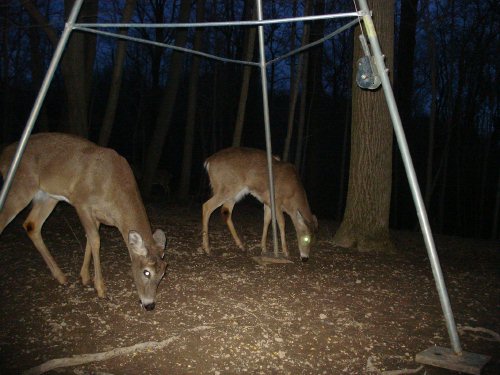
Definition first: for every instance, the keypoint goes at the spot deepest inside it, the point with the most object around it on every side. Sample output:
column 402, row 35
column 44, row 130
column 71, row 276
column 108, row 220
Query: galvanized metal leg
column 412, row 179
column 39, row 100
column 267, row 126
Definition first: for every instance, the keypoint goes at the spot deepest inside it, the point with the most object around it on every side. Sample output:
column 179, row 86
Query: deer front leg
column 280, row 218
column 98, row 279
column 92, row 248
column 84, row 272
column 208, row 207
column 267, row 221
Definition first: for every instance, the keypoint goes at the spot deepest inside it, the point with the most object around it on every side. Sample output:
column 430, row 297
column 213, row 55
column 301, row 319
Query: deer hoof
column 85, row 280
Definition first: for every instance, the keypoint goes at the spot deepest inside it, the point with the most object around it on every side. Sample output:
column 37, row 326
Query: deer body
column 237, row 171
column 100, row 185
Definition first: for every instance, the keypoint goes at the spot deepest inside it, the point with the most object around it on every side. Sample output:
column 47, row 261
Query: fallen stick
column 494, row 336
column 403, row 371
column 95, row 357
column 370, row 367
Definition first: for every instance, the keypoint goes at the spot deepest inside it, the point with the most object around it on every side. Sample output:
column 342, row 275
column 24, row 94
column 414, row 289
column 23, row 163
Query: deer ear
column 315, row 223
column 300, row 218
column 160, row 238
column 136, row 243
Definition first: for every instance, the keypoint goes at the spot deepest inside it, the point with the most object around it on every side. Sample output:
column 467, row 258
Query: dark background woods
column 173, row 110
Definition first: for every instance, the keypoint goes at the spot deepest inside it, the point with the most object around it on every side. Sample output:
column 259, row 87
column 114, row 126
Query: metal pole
column 222, row 23
column 412, row 179
column 267, row 126
column 39, row 101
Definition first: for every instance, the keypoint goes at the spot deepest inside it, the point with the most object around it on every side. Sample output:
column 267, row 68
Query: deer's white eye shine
column 147, row 273
column 305, row 240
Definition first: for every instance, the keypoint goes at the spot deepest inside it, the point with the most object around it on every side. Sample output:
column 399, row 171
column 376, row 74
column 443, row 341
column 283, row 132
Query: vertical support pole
column 267, row 126
column 412, row 179
column 39, row 100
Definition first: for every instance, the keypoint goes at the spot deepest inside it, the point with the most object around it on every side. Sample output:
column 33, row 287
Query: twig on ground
column 370, row 367
column 95, row 357
column 403, row 371
column 494, row 336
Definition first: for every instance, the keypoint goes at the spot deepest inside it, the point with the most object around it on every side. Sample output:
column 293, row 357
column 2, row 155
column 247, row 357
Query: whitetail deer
column 100, row 185
column 238, row 171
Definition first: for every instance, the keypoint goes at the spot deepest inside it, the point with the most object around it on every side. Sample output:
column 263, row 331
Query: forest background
column 167, row 111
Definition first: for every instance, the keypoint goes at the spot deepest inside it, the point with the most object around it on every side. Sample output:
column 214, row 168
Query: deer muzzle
column 147, row 306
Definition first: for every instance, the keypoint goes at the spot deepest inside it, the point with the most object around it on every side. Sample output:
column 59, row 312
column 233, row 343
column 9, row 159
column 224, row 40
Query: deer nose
column 304, row 259
column 149, row 306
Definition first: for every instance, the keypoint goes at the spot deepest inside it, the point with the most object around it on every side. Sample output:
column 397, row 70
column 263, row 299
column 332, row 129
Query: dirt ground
column 343, row 312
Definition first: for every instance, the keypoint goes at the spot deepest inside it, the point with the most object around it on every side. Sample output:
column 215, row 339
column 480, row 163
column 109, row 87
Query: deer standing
column 100, row 185
column 237, row 171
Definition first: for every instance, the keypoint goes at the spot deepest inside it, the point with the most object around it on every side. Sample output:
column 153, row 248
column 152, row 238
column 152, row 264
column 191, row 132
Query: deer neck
column 134, row 218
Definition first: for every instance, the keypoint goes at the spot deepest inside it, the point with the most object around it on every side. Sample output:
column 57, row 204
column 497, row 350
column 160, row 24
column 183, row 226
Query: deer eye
column 305, row 240
column 147, row 273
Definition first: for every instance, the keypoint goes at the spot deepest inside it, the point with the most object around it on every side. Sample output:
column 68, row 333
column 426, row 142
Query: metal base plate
column 270, row 258
column 469, row 363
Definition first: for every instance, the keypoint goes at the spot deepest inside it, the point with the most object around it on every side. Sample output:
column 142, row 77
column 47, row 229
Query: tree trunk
column 432, row 126
column 299, row 151
column 403, row 87
column 167, row 104
column 316, row 99
column 116, row 78
column 187, row 156
column 76, row 64
column 247, row 71
column 365, row 225
column 343, row 165
column 495, row 228
column 295, row 84
column 37, row 71
column 405, row 59
column 6, row 97
column 294, row 87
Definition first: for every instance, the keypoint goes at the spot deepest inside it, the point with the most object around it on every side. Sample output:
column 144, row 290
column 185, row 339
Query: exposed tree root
column 95, row 357
column 403, row 371
column 493, row 335
column 371, row 368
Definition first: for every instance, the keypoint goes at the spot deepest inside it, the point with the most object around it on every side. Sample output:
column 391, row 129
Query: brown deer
column 237, row 171
column 100, row 185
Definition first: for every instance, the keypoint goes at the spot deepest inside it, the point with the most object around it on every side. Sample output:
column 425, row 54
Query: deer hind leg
column 227, row 213
column 43, row 205
column 20, row 195
column 208, row 207
column 84, row 271
column 92, row 250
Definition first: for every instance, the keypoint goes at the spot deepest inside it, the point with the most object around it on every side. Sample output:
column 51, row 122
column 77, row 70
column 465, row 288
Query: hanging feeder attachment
column 367, row 75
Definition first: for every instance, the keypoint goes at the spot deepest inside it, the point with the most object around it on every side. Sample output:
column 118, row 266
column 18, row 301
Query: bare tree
column 245, row 82
column 187, row 155
column 365, row 224
column 116, row 78
column 403, row 83
column 167, row 105
column 295, row 79
column 5, row 50
column 77, row 63
column 299, row 152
